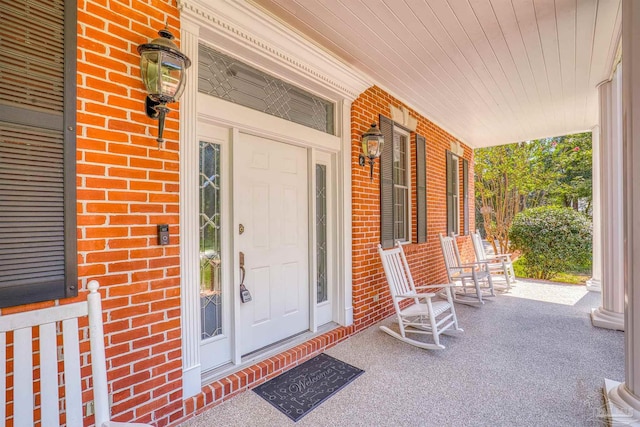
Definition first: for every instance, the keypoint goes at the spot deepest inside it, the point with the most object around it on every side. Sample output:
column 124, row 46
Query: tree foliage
column 568, row 159
column 552, row 239
column 514, row 177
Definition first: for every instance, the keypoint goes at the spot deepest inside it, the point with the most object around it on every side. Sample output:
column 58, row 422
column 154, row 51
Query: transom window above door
column 227, row 78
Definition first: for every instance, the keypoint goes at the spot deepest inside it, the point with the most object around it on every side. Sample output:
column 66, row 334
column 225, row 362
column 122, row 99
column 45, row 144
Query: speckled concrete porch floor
column 526, row 358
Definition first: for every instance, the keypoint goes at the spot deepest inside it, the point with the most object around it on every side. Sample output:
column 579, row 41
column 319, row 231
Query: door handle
column 245, row 295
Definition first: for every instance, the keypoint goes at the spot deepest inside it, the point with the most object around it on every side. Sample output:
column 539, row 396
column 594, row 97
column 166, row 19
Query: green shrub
column 552, row 239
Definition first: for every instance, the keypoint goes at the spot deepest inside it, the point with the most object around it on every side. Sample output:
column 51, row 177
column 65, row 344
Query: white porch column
column 611, row 313
column 189, row 250
column 595, row 283
column 626, row 396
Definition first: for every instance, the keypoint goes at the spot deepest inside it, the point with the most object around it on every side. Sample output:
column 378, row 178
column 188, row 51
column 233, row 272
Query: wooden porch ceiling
column 488, row 71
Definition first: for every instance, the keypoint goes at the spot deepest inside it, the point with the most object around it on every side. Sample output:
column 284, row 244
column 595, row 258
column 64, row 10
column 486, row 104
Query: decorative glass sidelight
column 321, row 232
column 210, row 247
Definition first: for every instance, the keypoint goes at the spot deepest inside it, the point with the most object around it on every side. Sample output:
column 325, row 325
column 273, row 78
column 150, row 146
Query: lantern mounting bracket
column 150, row 108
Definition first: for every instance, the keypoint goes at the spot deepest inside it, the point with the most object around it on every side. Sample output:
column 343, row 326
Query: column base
column 191, row 381
column 594, row 285
column 607, row 319
column 622, row 406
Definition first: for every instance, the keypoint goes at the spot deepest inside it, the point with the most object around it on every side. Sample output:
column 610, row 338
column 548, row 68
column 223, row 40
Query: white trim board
column 241, row 30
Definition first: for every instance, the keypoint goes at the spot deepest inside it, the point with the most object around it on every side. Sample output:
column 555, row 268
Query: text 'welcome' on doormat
column 296, row 392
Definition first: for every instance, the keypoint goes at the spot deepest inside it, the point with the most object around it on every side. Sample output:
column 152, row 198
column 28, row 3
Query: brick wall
column 126, row 186
column 425, row 260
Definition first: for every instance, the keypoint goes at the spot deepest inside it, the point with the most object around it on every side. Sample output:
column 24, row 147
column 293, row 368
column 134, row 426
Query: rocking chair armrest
column 499, row 257
column 473, row 264
column 417, row 295
column 496, row 261
column 441, row 286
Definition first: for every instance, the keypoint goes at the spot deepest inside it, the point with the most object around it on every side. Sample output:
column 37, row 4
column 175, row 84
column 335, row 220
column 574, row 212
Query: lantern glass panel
column 373, row 146
column 149, row 71
column 172, row 81
column 169, row 83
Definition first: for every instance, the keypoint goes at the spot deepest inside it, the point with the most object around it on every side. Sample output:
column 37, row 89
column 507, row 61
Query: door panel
column 271, row 202
column 261, row 291
column 291, row 289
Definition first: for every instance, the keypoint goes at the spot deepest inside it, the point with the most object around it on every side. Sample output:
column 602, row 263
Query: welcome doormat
column 296, row 392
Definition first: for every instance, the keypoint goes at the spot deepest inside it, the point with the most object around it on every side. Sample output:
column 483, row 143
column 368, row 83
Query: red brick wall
column 426, row 262
column 126, row 186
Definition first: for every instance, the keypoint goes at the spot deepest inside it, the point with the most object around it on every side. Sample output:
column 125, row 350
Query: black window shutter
column 421, row 187
column 38, row 258
column 450, row 183
column 465, row 193
column 386, row 185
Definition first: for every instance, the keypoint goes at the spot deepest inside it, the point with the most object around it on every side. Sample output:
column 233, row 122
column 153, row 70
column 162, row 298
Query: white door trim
column 329, row 79
column 245, row 120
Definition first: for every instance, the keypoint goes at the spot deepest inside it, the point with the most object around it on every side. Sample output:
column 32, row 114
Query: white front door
column 271, row 230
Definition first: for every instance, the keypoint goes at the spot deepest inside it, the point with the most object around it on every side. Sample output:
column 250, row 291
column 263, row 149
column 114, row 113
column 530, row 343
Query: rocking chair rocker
column 424, row 316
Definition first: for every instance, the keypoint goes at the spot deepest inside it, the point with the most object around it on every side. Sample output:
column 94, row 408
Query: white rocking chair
column 424, row 316
column 475, row 272
column 500, row 264
column 46, row 385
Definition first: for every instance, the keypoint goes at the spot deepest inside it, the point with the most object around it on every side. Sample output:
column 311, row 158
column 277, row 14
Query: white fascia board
column 244, row 31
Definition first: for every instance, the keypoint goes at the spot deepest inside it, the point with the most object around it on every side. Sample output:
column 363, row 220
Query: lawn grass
column 579, row 277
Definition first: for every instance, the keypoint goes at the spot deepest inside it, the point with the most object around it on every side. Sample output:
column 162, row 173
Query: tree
column 514, row 177
column 570, row 159
column 505, row 175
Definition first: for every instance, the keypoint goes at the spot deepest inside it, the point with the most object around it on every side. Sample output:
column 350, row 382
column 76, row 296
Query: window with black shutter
column 37, row 151
column 421, row 187
column 465, row 194
column 453, row 194
column 395, row 185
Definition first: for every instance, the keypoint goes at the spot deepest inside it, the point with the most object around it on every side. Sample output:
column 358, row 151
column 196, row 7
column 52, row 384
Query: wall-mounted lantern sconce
column 372, row 143
column 162, row 67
